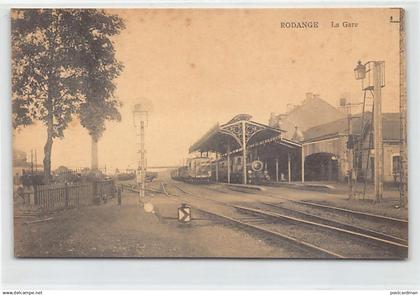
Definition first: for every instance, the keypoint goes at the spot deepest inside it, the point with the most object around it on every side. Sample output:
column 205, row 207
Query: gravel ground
column 128, row 231
column 220, row 193
column 386, row 207
column 109, row 230
column 340, row 243
column 384, row 227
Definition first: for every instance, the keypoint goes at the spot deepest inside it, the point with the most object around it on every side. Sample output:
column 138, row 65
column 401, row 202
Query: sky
column 199, row 67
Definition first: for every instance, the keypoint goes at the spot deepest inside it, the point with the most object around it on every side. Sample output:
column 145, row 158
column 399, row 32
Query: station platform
column 244, row 187
column 316, row 186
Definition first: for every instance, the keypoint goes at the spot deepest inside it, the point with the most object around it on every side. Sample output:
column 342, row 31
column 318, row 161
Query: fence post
column 36, row 195
column 67, row 194
column 95, row 188
column 113, row 188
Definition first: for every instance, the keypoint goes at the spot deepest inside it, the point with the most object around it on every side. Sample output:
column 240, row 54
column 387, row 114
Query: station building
column 327, row 154
column 308, row 143
column 313, row 111
column 241, row 141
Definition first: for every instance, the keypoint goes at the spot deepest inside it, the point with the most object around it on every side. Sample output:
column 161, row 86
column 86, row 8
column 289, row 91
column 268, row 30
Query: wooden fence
column 53, row 197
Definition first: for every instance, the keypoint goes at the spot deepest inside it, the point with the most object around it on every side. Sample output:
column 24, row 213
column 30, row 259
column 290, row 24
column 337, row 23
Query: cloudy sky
column 199, row 67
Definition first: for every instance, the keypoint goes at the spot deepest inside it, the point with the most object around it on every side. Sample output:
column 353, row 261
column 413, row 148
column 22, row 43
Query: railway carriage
column 197, row 170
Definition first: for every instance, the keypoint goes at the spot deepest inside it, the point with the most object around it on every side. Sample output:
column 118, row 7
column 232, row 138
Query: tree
column 93, row 116
column 101, row 70
column 51, row 60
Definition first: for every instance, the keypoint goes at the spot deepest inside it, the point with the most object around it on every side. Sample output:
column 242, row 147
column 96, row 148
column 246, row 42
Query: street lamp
column 140, row 117
column 374, row 73
column 360, row 71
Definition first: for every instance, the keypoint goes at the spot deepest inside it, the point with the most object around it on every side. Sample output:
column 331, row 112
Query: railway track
column 317, row 236
column 243, row 221
column 366, row 215
column 365, row 241
column 363, row 222
column 341, row 225
column 330, row 228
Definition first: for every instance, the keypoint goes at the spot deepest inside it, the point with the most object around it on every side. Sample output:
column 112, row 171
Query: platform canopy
column 239, row 132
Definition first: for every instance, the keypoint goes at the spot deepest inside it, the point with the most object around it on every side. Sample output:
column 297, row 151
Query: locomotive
column 197, row 170
column 256, row 171
column 202, row 170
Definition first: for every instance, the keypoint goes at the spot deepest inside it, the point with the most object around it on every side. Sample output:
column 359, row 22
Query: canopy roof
column 237, row 132
column 390, row 127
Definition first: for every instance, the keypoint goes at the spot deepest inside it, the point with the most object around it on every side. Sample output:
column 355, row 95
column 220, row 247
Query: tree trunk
column 47, row 152
column 94, row 154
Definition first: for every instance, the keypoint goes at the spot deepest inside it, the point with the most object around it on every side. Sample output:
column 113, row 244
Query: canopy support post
column 244, row 153
column 217, row 167
column 228, row 161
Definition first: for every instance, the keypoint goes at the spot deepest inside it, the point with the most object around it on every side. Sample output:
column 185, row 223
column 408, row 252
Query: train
column 256, row 171
column 197, row 170
column 203, row 170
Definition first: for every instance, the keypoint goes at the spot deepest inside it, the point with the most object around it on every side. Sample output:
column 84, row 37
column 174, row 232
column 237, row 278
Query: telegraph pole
column 140, row 114
column 350, row 151
column 142, row 161
column 141, row 171
column 377, row 129
column 36, row 162
column 32, row 161
column 403, row 117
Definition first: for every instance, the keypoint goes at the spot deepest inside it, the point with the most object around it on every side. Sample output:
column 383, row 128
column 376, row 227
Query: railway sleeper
column 399, row 249
column 271, row 235
column 341, row 225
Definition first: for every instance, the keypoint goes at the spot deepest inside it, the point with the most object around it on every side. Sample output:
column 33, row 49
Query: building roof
column 390, row 127
column 312, row 112
column 218, row 137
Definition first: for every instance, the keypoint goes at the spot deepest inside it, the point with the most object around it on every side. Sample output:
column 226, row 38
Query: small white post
column 303, row 164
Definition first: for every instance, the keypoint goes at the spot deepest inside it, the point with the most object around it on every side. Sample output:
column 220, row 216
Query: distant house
column 313, row 111
column 21, row 164
column 326, row 152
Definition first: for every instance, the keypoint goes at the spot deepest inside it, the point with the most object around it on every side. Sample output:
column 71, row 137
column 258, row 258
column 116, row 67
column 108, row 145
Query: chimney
column 309, row 95
column 298, row 135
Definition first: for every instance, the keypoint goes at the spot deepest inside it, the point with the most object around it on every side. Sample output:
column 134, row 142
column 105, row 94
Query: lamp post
column 372, row 75
column 140, row 116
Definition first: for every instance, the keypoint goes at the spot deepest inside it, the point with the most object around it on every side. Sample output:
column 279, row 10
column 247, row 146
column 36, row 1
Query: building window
column 396, row 164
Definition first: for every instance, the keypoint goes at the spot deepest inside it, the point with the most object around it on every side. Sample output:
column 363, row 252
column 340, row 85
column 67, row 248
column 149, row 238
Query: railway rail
column 244, row 222
column 341, row 225
column 372, row 239
column 367, row 215
column 353, row 215
column 390, row 244
column 301, row 229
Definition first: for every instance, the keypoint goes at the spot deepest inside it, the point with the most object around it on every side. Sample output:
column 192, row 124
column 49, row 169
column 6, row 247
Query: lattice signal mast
column 372, row 75
column 403, row 112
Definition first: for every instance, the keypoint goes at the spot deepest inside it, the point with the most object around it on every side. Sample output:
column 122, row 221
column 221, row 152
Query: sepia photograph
column 209, row 133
